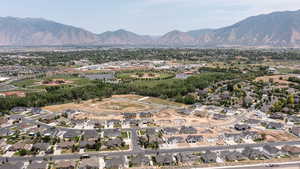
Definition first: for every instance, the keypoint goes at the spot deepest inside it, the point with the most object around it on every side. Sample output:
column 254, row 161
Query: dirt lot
column 112, row 108
column 277, row 135
column 113, row 105
column 282, row 80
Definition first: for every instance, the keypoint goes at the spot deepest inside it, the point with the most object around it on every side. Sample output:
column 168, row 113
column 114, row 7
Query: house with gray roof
column 113, row 143
column 252, row 122
column 19, row 109
column 71, row 134
column 91, row 163
column 112, row 133
column 12, row 165
column 293, row 119
column 38, row 165
column 274, row 125
column 170, row 130
column 194, row 138
column 292, row 150
column 151, row 132
column 296, row 131
column 164, row 159
column 251, row 135
column 186, row 157
column 271, row 150
column 41, row 146
column 112, row 122
column 232, row 156
column 91, row 134
column 188, row 130
column 65, row 144
column 233, row 137
column 114, row 162
column 175, row 140
column 185, row 112
column 277, row 116
column 129, row 115
column 219, row 116
column 254, row 154
column 209, row 157
column 139, row 160
column 146, row 114
column 65, row 164
column 241, row 127
column 86, row 143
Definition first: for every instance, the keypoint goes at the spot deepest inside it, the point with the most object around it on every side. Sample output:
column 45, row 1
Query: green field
column 36, row 83
column 144, row 75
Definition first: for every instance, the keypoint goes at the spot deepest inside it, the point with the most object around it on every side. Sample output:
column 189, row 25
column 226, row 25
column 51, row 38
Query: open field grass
column 140, row 75
column 38, row 83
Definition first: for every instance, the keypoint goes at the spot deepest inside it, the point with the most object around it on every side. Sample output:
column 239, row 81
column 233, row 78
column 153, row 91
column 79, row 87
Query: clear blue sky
column 153, row 17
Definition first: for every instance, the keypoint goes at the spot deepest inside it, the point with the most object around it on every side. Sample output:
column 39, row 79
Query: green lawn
column 34, row 83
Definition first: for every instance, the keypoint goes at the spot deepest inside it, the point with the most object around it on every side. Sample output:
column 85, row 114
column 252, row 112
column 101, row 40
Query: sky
column 152, row 17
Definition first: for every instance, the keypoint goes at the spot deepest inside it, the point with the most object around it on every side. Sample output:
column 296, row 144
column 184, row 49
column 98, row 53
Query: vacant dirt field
column 112, row 108
column 114, row 104
column 275, row 135
column 282, row 80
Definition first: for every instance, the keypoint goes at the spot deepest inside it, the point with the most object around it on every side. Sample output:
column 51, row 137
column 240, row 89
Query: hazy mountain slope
column 29, row 31
column 278, row 29
column 275, row 29
column 176, row 38
column 123, row 37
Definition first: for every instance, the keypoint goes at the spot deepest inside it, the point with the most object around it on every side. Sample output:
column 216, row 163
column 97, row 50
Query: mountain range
column 277, row 29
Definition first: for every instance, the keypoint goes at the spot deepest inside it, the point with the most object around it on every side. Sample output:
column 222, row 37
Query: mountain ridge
column 277, row 29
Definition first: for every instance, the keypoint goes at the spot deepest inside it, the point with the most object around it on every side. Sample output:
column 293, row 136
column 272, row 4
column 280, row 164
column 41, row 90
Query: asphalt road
column 147, row 152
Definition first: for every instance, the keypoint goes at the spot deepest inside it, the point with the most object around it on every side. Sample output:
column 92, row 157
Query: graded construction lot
column 112, row 108
column 282, row 80
column 165, row 113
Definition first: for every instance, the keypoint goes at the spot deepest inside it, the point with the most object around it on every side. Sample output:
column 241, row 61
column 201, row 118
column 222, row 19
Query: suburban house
column 186, row 157
column 241, row 127
column 38, row 165
column 164, row 159
column 188, row 130
column 296, row 131
column 274, row 125
column 232, row 156
column 140, row 160
column 175, row 140
column 112, row 133
column 114, row 162
column 271, row 150
column 209, row 157
column 194, row 138
column 91, row 163
column 65, row 164
column 292, row 150
column 170, row 130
